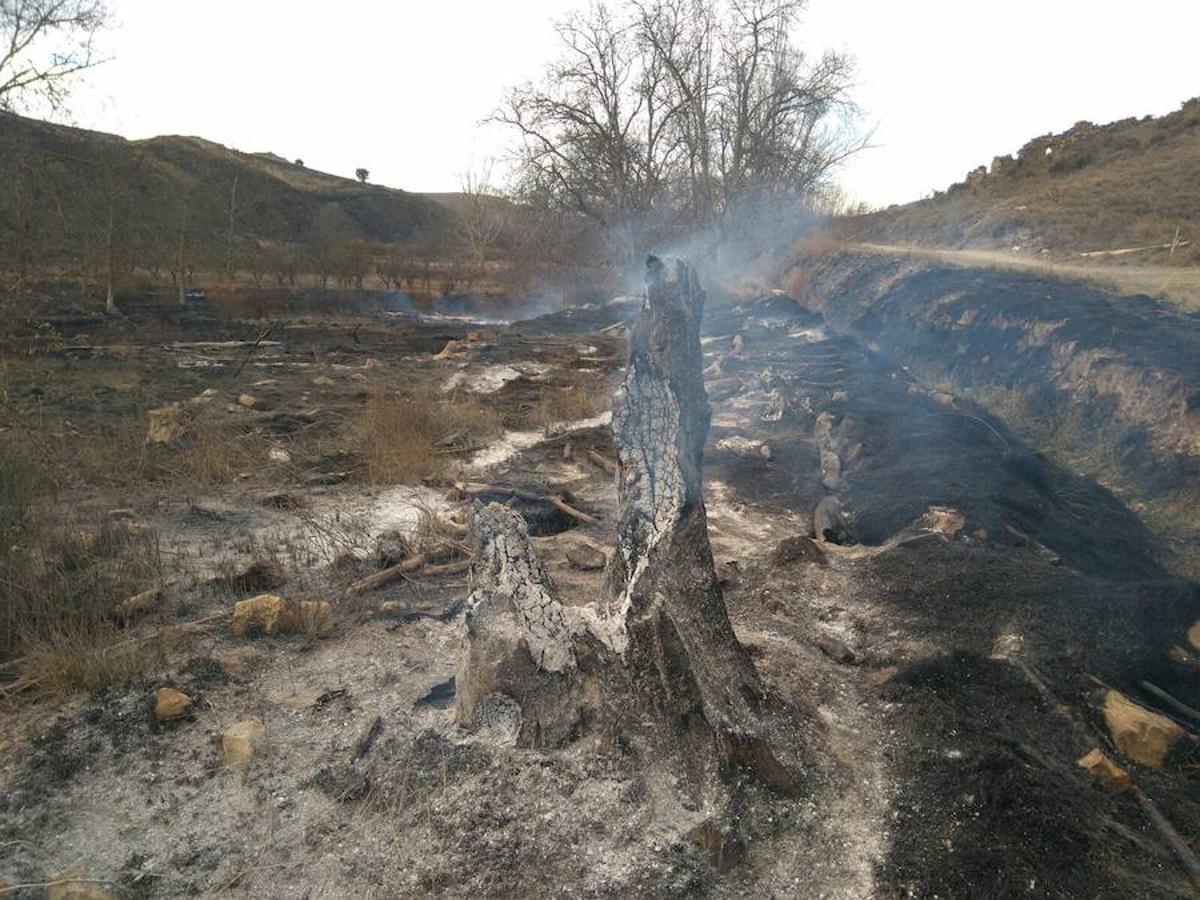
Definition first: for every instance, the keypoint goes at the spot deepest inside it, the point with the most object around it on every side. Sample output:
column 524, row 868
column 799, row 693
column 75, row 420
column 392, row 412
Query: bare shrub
column 403, row 436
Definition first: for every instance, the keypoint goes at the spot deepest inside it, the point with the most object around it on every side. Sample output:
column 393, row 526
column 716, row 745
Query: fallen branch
column 1180, row 707
column 1182, row 851
column 561, row 504
column 602, row 461
column 417, row 563
column 249, row 353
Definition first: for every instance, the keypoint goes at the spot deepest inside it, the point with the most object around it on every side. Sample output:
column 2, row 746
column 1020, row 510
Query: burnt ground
column 944, row 658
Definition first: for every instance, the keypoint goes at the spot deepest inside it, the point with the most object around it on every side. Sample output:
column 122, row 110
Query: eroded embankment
column 1104, row 385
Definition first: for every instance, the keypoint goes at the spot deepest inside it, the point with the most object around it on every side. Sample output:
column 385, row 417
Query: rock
column 204, row 397
column 1140, row 735
column 279, row 455
column 1103, row 769
column 270, row 614
column 1193, row 635
column 261, row 575
column 323, row 381
column 258, row 615
column 796, row 549
column 452, row 349
column 139, row 604
column 241, row 742
column 586, row 558
column 979, row 534
column 247, row 401
column 835, row 648
column 168, row 425
column 170, row 703
column 943, row 520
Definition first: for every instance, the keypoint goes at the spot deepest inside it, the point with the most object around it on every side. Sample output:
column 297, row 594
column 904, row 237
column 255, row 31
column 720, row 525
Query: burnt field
column 948, row 609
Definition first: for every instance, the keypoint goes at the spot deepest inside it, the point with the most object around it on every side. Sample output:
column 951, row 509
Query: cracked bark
column 654, row 660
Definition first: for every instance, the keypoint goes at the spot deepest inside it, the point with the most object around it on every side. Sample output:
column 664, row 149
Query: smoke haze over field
column 400, row 89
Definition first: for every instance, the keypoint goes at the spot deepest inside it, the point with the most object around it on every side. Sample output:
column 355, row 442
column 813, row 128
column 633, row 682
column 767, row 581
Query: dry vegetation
column 1125, row 185
column 403, row 436
column 63, row 582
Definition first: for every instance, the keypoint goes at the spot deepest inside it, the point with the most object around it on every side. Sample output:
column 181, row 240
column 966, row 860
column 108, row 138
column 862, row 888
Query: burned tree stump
column 653, row 662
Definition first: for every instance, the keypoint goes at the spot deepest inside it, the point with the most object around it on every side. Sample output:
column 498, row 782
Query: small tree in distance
column 362, row 174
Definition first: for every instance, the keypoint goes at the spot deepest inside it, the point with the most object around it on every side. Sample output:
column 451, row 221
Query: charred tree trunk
column 654, row 661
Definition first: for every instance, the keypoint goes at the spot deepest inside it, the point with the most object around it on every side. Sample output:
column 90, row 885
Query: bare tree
column 43, row 43
column 480, row 222
column 670, row 115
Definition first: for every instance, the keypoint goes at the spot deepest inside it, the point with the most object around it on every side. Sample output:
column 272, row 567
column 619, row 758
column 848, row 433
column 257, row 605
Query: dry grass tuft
column 567, row 404
column 405, row 436
column 216, row 456
column 62, row 583
column 87, row 659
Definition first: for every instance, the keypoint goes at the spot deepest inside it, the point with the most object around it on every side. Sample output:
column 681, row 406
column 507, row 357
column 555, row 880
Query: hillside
column 1126, row 186
column 65, row 191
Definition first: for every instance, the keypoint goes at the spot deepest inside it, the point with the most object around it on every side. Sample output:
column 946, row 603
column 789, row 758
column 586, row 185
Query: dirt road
column 1178, row 284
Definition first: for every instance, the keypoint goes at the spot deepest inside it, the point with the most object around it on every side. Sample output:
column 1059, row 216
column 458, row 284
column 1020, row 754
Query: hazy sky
column 400, row 87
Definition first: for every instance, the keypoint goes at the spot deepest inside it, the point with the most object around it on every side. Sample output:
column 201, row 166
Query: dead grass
column 87, row 659
column 566, row 404
column 404, row 436
column 215, row 456
column 62, row 581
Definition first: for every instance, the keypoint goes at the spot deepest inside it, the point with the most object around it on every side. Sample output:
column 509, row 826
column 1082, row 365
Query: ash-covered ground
column 950, row 635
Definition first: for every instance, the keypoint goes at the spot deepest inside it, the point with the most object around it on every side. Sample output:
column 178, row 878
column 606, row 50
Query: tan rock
column 943, row 520
column 323, row 381
column 1193, row 635
column 247, row 401
column 241, row 742
column 453, row 348
column 258, row 615
column 170, row 703
column 168, row 425
column 1139, row 734
column 270, row 614
column 1100, row 767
